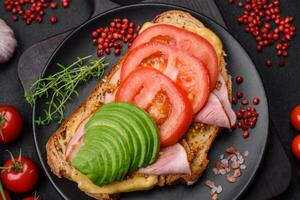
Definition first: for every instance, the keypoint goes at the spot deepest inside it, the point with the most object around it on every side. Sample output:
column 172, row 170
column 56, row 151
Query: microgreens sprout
column 58, row 88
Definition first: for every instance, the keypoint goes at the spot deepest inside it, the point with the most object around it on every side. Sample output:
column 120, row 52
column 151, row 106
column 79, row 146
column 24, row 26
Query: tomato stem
column 2, row 193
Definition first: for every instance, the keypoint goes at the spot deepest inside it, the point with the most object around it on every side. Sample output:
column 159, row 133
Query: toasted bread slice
column 197, row 141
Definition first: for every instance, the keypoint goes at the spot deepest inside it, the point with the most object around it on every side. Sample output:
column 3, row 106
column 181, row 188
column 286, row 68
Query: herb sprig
column 58, row 88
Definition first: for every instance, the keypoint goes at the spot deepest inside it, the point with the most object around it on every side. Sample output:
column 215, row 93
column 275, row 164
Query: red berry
column 256, row 100
column 117, row 52
column 246, row 134
column 53, row 5
column 239, row 95
column 269, row 63
column 239, row 79
column 245, row 102
column 53, row 19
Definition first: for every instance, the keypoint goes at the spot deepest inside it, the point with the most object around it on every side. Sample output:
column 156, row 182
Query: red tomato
column 295, row 118
column 7, row 196
column 20, row 176
column 183, row 69
column 185, row 40
column 167, row 104
column 296, row 146
column 11, row 124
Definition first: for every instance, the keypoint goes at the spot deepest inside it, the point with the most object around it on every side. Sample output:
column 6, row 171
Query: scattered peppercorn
column 239, row 79
column 269, row 63
column 53, row 19
column 32, row 10
column 246, row 115
column 256, row 100
column 263, row 20
column 111, row 37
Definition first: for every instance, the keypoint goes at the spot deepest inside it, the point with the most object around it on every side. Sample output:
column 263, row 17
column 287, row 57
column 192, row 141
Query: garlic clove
column 8, row 42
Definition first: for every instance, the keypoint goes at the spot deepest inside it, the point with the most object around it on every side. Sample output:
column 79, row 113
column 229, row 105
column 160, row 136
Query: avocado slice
column 134, row 126
column 147, row 122
column 120, row 138
column 87, row 161
column 117, row 141
column 132, row 137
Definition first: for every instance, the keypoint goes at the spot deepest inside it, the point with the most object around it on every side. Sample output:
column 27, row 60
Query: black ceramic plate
column 78, row 43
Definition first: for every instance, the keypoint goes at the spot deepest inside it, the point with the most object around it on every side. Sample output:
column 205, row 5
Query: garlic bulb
column 8, row 42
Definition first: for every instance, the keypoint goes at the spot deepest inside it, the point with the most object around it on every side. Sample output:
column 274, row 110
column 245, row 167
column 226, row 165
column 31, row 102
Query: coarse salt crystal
column 224, row 161
column 219, row 189
column 222, row 171
column 246, row 153
column 213, row 190
column 234, row 158
column 215, row 171
column 221, row 156
column 243, row 166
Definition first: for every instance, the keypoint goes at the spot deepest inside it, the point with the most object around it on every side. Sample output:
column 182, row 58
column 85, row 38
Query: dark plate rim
column 193, row 12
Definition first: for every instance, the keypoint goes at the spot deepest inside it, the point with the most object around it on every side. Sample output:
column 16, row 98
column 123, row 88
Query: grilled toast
column 197, row 140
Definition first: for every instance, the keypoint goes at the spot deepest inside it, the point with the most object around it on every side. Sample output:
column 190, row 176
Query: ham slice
column 213, row 113
column 110, row 97
column 218, row 110
column 171, row 160
column 76, row 141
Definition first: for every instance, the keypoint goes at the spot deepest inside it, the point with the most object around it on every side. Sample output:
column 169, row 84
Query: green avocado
column 134, row 126
column 117, row 155
column 132, row 137
column 146, row 121
column 120, row 148
column 119, row 138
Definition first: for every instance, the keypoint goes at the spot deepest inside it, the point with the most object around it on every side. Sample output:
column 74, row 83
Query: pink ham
column 171, row 160
column 222, row 94
column 110, row 97
column 213, row 113
column 76, row 141
column 218, row 110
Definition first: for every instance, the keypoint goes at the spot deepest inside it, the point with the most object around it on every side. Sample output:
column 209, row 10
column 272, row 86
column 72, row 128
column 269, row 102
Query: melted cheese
column 132, row 184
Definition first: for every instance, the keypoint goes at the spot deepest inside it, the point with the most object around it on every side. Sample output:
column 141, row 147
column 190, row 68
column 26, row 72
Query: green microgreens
column 58, row 88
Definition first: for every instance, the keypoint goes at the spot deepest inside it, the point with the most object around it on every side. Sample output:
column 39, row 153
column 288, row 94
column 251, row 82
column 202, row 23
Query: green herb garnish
column 58, row 88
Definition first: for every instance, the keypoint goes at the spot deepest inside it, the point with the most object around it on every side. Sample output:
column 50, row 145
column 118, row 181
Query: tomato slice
column 186, row 41
column 166, row 103
column 182, row 68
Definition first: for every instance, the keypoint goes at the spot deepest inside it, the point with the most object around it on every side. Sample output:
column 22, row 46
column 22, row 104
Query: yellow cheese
column 132, row 184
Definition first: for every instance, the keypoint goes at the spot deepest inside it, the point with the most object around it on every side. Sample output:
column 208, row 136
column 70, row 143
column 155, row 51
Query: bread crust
column 197, row 141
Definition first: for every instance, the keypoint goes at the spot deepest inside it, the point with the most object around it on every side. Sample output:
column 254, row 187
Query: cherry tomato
column 295, row 118
column 182, row 68
column 166, row 103
column 7, row 196
column 185, row 40
column 296, row 146
column 11, row 124
column 21, row 174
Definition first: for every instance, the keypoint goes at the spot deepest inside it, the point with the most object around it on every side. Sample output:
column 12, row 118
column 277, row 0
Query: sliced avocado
column 132, row 137
column 117, row 141
column 147, row 122
column 87, row 162
column 113, row 160
column 134, row 126
column 120, row 138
